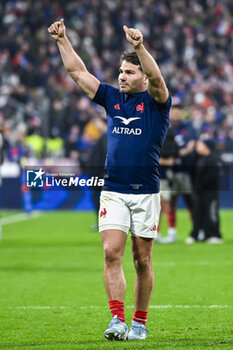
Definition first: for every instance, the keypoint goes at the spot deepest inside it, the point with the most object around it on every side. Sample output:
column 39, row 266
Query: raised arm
column 157, row 87
column 73, row 63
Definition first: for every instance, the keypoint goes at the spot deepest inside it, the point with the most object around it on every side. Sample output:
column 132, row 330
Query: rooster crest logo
column 103, row 213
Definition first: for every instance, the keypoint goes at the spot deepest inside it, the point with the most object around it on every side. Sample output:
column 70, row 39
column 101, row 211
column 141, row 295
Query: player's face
column 175, row 115
column 131, row 79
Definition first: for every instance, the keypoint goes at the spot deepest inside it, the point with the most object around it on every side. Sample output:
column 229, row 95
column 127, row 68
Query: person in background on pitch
column 138, row 119
column 168, row 157
column 185, row 137
column 206, row 191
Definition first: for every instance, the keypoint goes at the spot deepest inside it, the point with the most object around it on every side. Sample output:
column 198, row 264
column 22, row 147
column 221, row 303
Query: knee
column 112, row 256
column 143, row 263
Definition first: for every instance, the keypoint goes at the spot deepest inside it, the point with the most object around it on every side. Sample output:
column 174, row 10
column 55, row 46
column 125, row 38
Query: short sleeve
column 103, row 93
column 164, row 106
column 162, row 109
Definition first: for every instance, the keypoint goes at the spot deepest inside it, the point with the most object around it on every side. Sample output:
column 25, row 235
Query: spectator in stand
column 192, row 41
column 71, row 146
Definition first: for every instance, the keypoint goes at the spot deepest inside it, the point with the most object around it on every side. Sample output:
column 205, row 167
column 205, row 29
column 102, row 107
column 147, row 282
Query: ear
column 145, row 79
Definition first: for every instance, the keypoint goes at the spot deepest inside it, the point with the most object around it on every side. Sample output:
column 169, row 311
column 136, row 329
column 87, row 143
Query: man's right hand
column 57, row 30
column 72, row 62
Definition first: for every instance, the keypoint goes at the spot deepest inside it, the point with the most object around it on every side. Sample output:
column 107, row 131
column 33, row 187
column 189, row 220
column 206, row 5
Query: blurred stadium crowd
column 43, row 113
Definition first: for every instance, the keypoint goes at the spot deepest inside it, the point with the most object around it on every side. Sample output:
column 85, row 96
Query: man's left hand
column 134, row 36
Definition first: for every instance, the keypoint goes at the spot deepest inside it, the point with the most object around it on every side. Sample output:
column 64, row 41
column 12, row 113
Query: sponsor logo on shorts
column 154, row 228
column 103, row 213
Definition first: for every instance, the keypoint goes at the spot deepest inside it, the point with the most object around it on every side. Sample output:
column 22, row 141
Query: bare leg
column 114, row 278
column 173, row 202
column 142, row 249
column 165, row 207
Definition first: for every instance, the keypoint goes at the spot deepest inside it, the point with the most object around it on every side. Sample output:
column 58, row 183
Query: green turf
column 7, row 213
column 55, row 261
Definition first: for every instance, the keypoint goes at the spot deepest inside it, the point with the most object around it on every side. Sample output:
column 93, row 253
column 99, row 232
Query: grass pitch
column 52, row 294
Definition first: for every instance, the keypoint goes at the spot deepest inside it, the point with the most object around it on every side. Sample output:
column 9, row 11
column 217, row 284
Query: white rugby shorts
column 165, row 189
column 137, row 213
column 181, row 183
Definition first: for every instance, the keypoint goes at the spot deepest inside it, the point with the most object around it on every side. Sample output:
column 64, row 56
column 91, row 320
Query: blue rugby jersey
column 184, row 132
column 137, row 126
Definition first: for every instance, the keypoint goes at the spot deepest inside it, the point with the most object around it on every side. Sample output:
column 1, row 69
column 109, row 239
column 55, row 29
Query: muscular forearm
column 167, row 161
column 77, row 69
column 71, row 60
column 189, row 148
column 157, row 87
column 149, row 66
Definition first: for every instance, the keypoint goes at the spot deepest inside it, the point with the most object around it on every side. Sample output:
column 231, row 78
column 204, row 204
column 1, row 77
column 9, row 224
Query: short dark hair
column 131, row 57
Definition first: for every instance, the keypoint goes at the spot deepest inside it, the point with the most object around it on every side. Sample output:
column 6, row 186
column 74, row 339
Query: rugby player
column 138, row 119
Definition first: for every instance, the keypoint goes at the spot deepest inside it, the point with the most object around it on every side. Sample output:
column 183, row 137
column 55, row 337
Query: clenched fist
column 57, row 30
column 134, row 36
